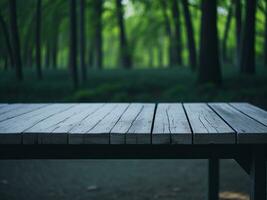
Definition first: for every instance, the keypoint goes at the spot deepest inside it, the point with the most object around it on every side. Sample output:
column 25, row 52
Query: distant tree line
column 86, row 33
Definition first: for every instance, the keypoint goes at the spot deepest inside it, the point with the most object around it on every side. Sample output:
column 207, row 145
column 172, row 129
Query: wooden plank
column 140, row 130
column 79, row 133
column 65, row 126
column 10, row 107
column 104, row 127
column 252, row 111
column 171, row 125
column 248, row 130
column 23, row 109
column 13, row 128
column 46, row 127
column 207, row 126
column 118, row 132
column 3, row 105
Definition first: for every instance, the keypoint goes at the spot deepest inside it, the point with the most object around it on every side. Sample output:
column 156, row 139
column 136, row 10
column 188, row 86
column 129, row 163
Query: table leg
column 258, row 174
column 213, row 179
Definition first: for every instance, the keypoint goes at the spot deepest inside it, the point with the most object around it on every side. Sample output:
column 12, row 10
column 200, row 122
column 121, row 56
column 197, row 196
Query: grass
column 144, row 85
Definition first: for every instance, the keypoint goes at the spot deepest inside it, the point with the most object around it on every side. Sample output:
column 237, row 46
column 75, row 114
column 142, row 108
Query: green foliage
column 144, row 22
column 161, row 85
column 101, row 92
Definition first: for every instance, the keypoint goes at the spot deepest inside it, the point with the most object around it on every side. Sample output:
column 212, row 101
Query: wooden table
column 140, row 130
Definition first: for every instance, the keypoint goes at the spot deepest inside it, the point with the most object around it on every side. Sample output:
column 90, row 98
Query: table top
column 132, row 123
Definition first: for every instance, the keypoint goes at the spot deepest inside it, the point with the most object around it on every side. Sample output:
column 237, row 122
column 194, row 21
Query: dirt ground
column 117, row 179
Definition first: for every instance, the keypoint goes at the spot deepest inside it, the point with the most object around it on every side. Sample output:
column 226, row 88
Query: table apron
column 222, row 151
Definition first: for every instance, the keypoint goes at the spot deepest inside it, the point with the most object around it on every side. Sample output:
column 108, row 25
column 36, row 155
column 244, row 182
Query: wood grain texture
column 104, row 127
column 248, row 130
column 140, row 129
column 252, row 111
column 171, row 125
column 20, row 110
column 46, row 128
column 207, row 126
column 64, row 126
column 10, row 107
column 118, row 132
column 132, row 123
column 19, row 124
column 107, row 123
column 79, row 134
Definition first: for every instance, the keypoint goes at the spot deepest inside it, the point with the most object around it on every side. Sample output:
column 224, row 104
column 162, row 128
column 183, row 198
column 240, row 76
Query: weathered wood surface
column 11, row 130
column 123, row 125
column 79, row 133
column 140, row 129
column 50, row 129
column 19, row 109
column 132, row 123
column 6, row 108
column 248, row 130
column 171, row 125
column 207, row 126
column 103, row 128
column 252, row 111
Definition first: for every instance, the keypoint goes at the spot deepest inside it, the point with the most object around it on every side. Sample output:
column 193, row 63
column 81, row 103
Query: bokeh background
column 129, row 51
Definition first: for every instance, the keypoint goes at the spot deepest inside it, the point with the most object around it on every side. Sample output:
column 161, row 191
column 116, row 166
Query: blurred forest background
column 133, row 50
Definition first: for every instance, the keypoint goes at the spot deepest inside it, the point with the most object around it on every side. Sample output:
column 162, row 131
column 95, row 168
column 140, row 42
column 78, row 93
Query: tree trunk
column 28, row 43
column 168, row 31
column 238, row 21
column 90, row 55
column 160, row 56
column 73, row 43
column 247, row 64
column 15, row 39
column 125, row 56
column 225, row 35
column 82, row 42
column 38, row 38
column 54, row 50
column 47, row 54
column 7, row 39
column 177, row 40
column 209, row 66
column 54, row 45
column 265, row 37
column 190, row 36
column 98, row 33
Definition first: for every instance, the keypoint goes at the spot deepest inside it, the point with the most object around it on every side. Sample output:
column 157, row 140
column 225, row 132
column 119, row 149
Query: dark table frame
column 251, row 157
